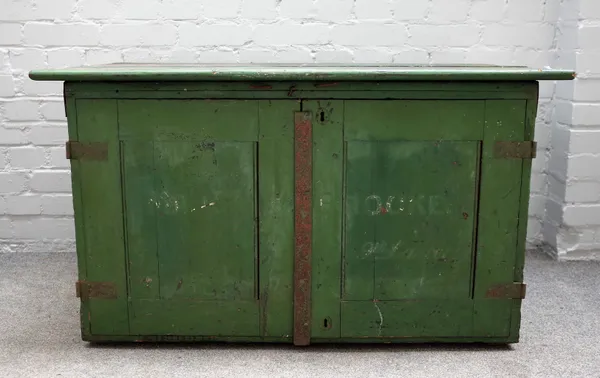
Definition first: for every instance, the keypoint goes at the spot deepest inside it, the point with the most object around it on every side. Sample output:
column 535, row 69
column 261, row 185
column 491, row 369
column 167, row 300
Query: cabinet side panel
column 101, row 216
column 71, row 112
column 499, row 217
column 530, row 117
column 531, row 113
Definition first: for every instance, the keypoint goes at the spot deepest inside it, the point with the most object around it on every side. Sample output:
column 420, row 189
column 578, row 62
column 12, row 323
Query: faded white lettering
column 377, row 201
column 421, row 204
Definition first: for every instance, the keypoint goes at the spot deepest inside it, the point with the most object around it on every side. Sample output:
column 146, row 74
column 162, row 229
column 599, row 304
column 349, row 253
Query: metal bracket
column 515, row 150
column 515, row 290
column 86, row 290
column 302, row 226
column 87, row 151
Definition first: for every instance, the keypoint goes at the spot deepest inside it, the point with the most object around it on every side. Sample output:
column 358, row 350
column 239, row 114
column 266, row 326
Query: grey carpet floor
column 39, row 336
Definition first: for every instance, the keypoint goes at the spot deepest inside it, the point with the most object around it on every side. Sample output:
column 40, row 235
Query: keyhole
column 322, row 115
column 327, row 323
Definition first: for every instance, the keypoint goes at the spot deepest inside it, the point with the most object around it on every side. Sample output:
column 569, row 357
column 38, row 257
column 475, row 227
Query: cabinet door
column 208, row 196
column 99, row 218
column 395, row 212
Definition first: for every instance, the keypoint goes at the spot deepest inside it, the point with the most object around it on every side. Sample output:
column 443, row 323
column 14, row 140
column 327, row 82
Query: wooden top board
column 299, row 72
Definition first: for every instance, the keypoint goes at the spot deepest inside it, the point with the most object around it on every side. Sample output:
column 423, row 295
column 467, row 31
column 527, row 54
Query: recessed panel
column 409, row 219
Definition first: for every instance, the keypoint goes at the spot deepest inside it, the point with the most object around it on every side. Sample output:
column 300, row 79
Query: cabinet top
column 299, row 72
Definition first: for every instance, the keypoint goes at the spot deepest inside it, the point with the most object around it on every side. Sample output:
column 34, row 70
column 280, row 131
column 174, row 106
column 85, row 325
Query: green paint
column 194, row 317
column 84, row 312
column 141, row 218
column 188, row 270
column 410, row 233
column 499, row 206
column 413, row 120
column 186, row 170
column 276, row 216
column 423, row 243
column 250, row 339
column 100, row 216
column 407, row 319
column 327, row 205
column 183, row 89
column 410, row 213
column 197, row 187
column 359, row 228
column 531, row 112
column 301, row 90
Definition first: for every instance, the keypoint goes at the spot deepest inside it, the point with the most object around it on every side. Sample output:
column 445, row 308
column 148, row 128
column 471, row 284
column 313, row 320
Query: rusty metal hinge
column 87, row 151
column 515, row 150
column 86, row 290
column 515, row 290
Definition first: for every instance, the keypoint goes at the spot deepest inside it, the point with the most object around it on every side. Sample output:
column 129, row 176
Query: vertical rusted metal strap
column 302, row 226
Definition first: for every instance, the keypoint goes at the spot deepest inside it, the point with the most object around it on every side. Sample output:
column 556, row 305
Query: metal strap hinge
column 515, row 150
column 303, row 226
column 87, row 151
column 515, row 290
column 86, row 290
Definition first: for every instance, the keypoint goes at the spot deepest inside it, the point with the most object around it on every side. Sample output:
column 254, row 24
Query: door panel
column 208, row 186
column 409, row 219
column 410, row 206
column 101, row 246
column 181, row 198
column 411, row 181
column 191, row 186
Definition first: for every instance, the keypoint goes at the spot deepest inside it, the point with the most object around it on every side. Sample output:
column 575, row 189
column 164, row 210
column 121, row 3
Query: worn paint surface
column 406, row 235
column 86, row 151
column 410, row 179
column 183, row 173
column 276, row 217
column 414, row 177
column 328, row 154
column 499, row 209
column 179, row 169
column 101, row 236
column 185, row 170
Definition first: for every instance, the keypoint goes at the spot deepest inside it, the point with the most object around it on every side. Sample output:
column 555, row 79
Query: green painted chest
column 301, row 204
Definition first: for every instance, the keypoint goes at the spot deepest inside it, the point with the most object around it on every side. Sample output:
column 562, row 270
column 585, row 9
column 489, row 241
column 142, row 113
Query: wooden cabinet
column 301, row 204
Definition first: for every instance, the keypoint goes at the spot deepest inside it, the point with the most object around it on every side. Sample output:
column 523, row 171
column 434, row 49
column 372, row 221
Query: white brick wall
column 571, row 226
column 35, row 201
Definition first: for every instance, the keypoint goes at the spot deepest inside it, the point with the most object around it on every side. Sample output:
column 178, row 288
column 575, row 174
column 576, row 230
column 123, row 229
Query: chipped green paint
column 409, row 220
column 191, row 215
